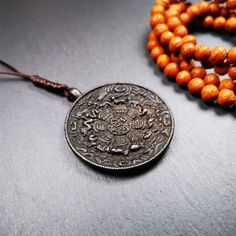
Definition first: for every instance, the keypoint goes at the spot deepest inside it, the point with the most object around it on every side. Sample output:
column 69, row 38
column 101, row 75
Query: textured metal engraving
column 119, row 126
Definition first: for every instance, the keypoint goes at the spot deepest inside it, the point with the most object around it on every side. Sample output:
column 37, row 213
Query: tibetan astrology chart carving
column 119, row 126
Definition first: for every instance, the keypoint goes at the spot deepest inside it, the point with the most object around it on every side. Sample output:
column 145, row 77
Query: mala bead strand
column 174, row 49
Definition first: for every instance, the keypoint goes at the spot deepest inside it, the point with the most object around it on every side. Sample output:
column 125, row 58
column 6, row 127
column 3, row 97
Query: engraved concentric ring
column 119, row 126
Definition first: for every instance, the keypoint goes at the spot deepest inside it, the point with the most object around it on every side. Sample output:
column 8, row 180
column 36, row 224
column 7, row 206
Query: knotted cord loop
column 61, row 89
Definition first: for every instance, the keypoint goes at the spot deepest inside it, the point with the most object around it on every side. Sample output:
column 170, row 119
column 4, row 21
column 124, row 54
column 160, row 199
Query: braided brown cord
column 38, row 81
column 50, row 86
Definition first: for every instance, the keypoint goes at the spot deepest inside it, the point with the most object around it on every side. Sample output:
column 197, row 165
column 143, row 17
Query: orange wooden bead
column 196, row 85
column 226, row 97
column 160, row 29
column 164, row 3
column 171, row 12
column 221, row 69
column 202, row 52
column 162, row 61
column 157, row 9
column 219, row 22
column 203, row 7
column 157, row 51
column 193, row 11
column 166, row 37
column 209, row 93
column 189, row 39
column 208, row 21
column 156, row 19
column 230, row 24
column 173, row 22
column 198, row 72
column 211, row 78
column 184, row 65
column 187, row 50
column 182, row 6
column 227, row 84
column 180, row 31
column 231, row 4
column 175, row 44
column 232, row 56
column 213, row 9
column 171, row 70
column 232, row 73
column 179, row 7
column 185, row 18
column 218, row 55
column 151, row 44
column 183, row 77
column 152, row 36
column 174, row 6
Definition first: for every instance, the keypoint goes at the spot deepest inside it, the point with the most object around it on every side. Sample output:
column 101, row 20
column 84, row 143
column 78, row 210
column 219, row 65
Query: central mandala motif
column 118, row 130
column 119, row 126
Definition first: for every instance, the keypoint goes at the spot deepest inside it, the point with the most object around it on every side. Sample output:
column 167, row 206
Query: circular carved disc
column 119, row 126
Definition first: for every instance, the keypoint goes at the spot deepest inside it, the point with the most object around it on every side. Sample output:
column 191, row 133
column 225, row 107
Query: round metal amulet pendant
column 119, row 126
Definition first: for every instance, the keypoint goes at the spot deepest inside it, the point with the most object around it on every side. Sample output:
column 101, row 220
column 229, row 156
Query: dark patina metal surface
column 119, row 126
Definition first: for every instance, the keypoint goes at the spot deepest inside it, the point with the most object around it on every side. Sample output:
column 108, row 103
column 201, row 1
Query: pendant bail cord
column 61, row 89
